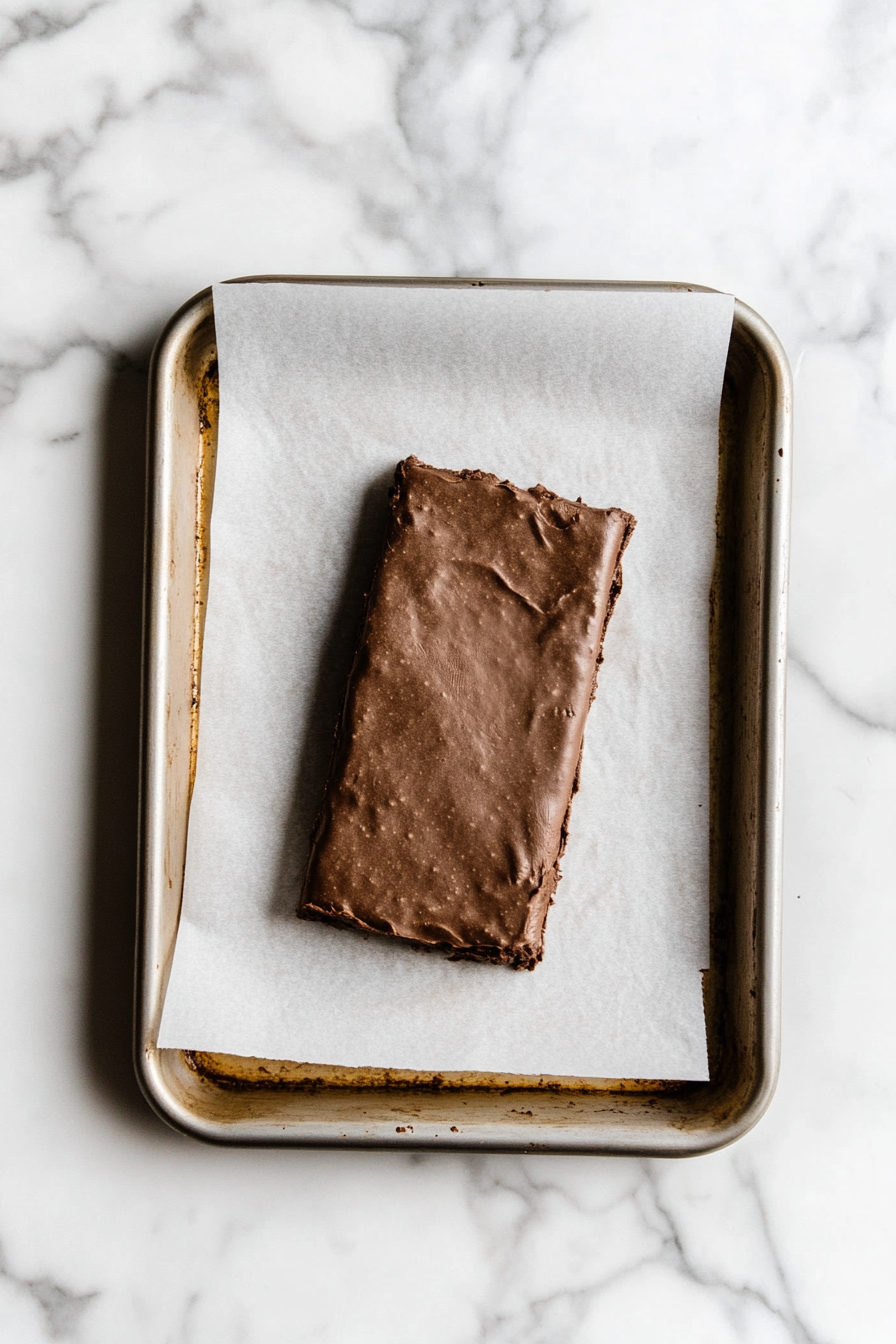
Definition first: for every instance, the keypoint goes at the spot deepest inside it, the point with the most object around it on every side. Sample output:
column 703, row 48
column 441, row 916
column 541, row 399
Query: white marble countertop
column 151, row 148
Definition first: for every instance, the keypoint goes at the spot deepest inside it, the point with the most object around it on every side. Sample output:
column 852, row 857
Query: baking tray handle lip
column 675, row 1142
column 774, row 726
column 472, row 282
column 169, row 346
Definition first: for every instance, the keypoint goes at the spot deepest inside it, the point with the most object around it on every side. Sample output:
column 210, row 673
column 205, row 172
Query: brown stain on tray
column 239, row 1071
column 208, row 400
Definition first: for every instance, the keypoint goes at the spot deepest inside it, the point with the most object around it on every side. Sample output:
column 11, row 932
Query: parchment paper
column 611, row 396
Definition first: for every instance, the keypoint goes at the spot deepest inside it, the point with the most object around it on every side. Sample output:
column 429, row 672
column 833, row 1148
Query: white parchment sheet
column 613, row 397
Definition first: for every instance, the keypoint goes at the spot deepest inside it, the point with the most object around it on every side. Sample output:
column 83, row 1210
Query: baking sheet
column 613, row 396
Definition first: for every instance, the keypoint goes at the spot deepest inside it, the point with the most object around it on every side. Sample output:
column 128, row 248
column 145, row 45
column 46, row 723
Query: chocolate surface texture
column 457, row 754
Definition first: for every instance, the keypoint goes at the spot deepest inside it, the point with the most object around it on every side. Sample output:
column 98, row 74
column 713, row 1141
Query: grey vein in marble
column 61, row 1308
column 459, row 225
column 560, row 1315
column 795, row 660
column 36, row 25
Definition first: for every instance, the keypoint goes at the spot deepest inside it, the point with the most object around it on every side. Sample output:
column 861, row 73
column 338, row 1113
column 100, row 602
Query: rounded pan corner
column 766, row 339
column 176, row 334
column 162, row 1101
column 735, row 1126
column 156, row 1093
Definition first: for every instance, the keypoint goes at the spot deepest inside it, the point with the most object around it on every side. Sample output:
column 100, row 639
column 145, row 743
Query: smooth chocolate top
column 458, row 749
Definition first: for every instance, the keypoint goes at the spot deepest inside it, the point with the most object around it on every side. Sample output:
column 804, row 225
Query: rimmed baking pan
column 228, row 1099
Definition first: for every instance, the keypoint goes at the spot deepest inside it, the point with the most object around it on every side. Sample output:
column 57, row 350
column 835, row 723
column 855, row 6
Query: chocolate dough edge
column 525, row 949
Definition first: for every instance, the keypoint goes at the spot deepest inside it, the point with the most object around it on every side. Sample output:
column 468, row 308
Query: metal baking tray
column 235, row 1100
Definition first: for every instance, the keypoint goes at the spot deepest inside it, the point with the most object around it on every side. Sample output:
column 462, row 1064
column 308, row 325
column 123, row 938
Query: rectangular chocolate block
column 457, row 753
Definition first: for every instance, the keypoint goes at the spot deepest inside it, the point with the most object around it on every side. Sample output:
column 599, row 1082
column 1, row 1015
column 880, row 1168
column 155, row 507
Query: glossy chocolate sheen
column 458, row 750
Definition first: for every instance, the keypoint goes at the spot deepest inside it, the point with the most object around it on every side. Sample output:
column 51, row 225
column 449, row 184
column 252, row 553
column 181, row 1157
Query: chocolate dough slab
column 457, row 754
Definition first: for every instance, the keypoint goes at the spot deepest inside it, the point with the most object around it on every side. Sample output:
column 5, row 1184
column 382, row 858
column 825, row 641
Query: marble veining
column 659, row 1242
column 60, row 1308
column 149, row 149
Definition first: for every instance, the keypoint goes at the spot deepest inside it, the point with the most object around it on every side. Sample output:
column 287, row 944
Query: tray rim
column 542, row 1137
